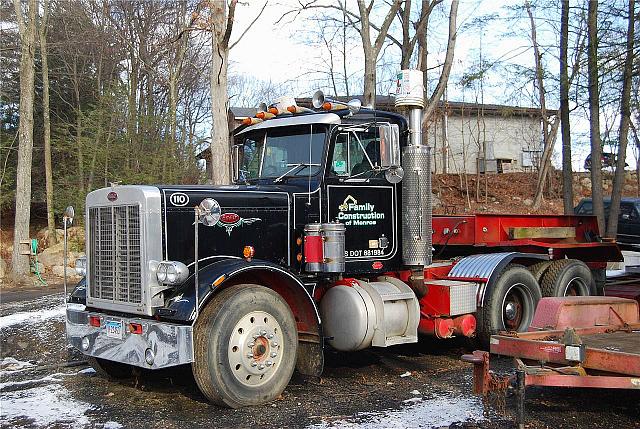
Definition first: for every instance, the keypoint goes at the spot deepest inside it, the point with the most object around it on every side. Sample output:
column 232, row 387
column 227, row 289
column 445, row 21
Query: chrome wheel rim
column 255, row 348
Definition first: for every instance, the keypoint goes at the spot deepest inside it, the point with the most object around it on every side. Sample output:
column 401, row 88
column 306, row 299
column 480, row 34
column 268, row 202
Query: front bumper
column 168, row 344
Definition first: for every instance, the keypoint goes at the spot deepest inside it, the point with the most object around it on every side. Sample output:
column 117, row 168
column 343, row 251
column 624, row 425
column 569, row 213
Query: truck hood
column 250, row 216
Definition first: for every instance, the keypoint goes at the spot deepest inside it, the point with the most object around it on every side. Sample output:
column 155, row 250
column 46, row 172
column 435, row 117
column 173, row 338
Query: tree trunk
column 623, row 134
column 547, row 141
column 48, row 173
column 594, row 115
column 369, row 90
column 220, row 150
column 567, row 170
column 446, row 67
column 27, row 29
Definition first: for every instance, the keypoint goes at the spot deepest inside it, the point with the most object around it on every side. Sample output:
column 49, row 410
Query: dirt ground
column 44, row 383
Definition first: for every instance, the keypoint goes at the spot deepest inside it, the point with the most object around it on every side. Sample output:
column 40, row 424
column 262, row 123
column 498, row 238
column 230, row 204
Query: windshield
column 276, row 152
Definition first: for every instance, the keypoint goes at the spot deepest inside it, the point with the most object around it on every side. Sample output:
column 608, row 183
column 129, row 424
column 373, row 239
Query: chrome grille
column 115, row 270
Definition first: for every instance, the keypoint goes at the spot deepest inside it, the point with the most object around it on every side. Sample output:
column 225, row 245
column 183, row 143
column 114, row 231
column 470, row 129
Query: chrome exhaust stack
column 416, row 186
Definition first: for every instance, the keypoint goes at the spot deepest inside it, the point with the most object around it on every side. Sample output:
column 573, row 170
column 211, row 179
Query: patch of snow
column 435, row 412
column 406, row 374
column 10, row 364
column 30, row 317
column 11, row 385
column 112, row 425
column 87, row 371
column 412, row 400
column 415, row 392
column 44, row 406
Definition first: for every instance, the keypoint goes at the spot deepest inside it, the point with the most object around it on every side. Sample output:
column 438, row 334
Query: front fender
column 229, row 272
column 79, row 293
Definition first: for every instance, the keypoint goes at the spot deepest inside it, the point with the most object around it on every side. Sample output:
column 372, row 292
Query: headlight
column 81, row 266
column 161, row 273
column 171, row 272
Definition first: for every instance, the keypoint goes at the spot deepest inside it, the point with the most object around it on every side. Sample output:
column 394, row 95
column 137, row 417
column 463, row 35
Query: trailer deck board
column 619, row 341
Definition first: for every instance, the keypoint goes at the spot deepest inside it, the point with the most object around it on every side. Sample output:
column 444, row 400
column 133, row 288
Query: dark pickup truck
column 628, row 223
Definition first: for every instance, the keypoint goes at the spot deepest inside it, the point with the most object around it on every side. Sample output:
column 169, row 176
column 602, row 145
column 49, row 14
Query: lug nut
column 250, row 355
column 254, row 364
column 274, row 344
column 270, row 336
column 274, row 354
column 269, row 363
column 251, row 344
column 260, row 366
column 263, row 333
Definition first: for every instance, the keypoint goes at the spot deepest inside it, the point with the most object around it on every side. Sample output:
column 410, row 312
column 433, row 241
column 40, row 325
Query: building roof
column 386, row 102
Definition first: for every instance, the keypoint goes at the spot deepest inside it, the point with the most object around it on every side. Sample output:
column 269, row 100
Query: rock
column 435, row 200
column 3, row 268
column 54, row 256
column 58, row 270
column 585, row 182
column 45, row 238
column 516, row 198
column 628, row 188
column 528, row 202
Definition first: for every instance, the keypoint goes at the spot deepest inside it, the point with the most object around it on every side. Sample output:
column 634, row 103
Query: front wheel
column 245, row 345
column 510, row 304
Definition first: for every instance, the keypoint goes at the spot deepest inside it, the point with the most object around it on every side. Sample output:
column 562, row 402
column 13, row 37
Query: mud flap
column 310, row 359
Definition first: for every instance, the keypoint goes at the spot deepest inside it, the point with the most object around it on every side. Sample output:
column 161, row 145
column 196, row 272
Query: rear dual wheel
column 245, row 345
column 567, row 277
column 509, row 305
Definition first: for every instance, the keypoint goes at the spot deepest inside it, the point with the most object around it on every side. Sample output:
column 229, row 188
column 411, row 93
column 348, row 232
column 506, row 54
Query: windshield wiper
column 292, row 169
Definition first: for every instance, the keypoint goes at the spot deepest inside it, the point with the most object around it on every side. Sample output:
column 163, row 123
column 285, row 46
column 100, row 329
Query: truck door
column 629, row 223
column 359, row 196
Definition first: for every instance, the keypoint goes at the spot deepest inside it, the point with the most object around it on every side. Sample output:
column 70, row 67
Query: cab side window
column 628, row 211
column 355, row 153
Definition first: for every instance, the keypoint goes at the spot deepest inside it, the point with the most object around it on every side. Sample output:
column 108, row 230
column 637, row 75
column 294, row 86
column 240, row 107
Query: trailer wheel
column 539, row 269
column 510, row 304
column 568, row 277
column 245, row 345
column 110, row 369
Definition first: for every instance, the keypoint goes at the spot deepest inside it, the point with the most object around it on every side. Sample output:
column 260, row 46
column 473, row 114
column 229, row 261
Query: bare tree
column 27, row 29
column 567, row 173
column 432, row 103
column 594, row 115
column 625, row 119
column 548, row 133
column 221, row 19
column 42, row 33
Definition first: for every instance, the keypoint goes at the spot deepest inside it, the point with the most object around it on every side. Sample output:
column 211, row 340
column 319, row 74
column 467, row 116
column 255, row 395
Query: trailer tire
column 539, row 269
column 110, row 369
column 568, row 277
column 510, row 304
column 244, row 325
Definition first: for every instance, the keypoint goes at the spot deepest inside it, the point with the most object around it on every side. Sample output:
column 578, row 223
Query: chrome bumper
column 167, row 344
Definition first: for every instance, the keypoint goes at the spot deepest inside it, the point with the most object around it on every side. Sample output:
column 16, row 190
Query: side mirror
column 69, row 214
column 625, row 216
column 389, row 145
column 235, row 163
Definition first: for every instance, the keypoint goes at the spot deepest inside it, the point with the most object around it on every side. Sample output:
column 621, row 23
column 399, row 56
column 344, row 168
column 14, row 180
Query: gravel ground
column 44, row 383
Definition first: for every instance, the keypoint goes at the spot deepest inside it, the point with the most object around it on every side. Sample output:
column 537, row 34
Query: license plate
column 114, row 329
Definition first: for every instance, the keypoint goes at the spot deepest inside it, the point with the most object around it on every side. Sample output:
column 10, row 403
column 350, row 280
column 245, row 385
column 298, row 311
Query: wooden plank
column 542, row 232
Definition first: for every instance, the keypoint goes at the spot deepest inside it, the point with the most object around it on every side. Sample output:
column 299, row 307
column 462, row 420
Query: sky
column 280, row 52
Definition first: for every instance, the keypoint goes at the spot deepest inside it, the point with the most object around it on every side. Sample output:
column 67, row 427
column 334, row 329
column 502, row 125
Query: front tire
column 245, row 345
column 510, row 304
column 568, row 277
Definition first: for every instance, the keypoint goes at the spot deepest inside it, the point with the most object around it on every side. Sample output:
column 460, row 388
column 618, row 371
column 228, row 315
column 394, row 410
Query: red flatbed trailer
column 573, row 342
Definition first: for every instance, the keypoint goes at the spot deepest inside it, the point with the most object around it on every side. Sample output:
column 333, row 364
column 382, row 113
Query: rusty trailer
column 584, row 342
